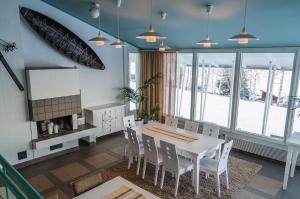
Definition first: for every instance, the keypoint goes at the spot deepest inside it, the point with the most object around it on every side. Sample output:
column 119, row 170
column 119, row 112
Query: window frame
column 236, row 86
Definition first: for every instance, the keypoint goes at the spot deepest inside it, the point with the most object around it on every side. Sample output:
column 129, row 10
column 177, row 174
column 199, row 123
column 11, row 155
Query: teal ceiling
column 274, row 22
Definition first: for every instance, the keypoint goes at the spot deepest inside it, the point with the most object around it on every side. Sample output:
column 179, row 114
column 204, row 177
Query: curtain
column 169, row 75
column 151, row 65
column 162, row 93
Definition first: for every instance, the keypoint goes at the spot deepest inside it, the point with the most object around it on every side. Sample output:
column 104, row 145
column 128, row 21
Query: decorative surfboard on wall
column 62, row 39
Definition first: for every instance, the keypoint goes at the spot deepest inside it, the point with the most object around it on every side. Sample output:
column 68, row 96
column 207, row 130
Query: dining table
column 188, row 144
column 117, row 187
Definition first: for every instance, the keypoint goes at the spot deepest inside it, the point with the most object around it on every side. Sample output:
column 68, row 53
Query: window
column 264, row 88
column 214, row 87
column 134, row 66
column 183, row 84
column 296, row 126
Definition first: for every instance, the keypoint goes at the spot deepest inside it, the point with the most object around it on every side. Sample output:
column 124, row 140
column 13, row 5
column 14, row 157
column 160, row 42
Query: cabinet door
column 99, row 123
column 119, row 119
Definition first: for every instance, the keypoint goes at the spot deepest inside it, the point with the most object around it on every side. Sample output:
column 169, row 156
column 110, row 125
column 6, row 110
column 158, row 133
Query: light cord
column 245, row 14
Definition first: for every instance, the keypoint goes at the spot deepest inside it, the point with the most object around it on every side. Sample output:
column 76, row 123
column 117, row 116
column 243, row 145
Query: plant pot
column 139, row 122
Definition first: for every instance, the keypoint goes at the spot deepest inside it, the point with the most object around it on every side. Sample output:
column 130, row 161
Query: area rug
column 240, row 173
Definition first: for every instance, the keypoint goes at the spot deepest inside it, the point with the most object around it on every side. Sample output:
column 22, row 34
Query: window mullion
column 194, row 86
column 235, row 91
column 293, row 92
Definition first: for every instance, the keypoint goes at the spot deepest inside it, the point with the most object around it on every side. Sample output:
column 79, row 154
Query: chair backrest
column 171, row 121
column 211, row 130
column 129, row 121
column 134, row 146
column 191, row 126
column 150, row 149
column 169, row 156
column 86, row 183
column 224, row 156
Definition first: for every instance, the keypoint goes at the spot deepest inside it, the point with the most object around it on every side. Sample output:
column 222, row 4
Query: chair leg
column 125, row 149
column 138, row 165
column 218, row 185
column 227, row 181
column 177, row 183
column 129, row 161
column 144, row 168
column 162, row 177
column 156, row 174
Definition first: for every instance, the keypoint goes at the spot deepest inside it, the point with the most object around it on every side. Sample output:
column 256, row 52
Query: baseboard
column 47, row 157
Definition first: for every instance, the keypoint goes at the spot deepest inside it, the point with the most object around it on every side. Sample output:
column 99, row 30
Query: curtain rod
column 150, row 50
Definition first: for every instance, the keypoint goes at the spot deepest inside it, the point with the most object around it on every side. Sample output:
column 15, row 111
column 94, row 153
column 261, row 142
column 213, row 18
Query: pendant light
column 99, row 40
column 243, row 37
column 207, row 42
column 118, row 43
column 151, row 36
column 162, row 47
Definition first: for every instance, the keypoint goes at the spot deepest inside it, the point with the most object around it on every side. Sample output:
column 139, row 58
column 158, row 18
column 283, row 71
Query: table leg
column 287, row 168
column 196, row 173
column 294, row 162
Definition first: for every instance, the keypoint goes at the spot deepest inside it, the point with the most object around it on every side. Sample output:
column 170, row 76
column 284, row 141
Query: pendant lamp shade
column 118, row 44
column 162, row 47
column 151, row 36
column 207, row 42
column 243, row 37
column 99, row 40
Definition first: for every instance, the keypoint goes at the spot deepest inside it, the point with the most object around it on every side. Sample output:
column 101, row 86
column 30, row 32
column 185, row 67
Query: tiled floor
column 57, row 174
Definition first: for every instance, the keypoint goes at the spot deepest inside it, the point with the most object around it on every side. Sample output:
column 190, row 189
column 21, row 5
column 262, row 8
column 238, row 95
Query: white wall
column 97, row 86
column 15, row 132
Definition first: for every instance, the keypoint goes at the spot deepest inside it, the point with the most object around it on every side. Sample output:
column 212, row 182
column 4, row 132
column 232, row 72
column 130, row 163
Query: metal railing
column 14, row 183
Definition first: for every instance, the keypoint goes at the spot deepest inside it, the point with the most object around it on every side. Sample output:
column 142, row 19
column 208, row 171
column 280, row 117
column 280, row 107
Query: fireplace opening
column 54, row 126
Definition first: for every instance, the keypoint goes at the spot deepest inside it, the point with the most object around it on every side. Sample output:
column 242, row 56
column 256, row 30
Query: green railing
column 14, row 183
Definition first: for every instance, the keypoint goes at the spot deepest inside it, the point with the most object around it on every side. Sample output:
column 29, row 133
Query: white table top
column 294, row 139
column 110, row 186
column 198, row 147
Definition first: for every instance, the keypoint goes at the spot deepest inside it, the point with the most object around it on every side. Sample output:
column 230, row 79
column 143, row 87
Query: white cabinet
column 108, row 118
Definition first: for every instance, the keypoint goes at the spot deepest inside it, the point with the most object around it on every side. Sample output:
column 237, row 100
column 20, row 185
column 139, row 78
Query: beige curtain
column 163, row 92
column 151, row 65
column 169, row 75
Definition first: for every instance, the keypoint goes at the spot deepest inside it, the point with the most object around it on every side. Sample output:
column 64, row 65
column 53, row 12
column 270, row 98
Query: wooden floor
column 57, row 174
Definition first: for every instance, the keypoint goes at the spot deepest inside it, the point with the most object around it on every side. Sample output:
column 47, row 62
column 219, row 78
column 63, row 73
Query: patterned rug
column 240, row 172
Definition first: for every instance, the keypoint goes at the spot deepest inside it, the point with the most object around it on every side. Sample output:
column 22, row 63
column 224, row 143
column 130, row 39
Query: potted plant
column 138, row 97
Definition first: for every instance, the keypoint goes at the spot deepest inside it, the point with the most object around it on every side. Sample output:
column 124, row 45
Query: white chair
column 213, row 130
column 128, row 122
column 191, row 126
column 172, row 163
column 217, row 167
column 136, row 149
column 171, row 121
column 151, row 155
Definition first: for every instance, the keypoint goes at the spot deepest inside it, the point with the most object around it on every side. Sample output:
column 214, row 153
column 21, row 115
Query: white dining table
column 112, row 185
column 194, row 150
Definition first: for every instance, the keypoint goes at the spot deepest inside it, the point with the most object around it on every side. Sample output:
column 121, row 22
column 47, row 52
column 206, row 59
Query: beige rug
column 240, row 172
column 70, row 172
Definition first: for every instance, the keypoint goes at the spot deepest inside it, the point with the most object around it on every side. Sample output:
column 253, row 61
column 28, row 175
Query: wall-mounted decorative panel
column 51, row 108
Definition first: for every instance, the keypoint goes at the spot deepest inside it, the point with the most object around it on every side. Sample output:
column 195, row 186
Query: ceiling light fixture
column 207, row 42
column 118, row 43
column 162, row 47
column 99, row 40
column 151, row 36
column 95, row 10
column 243, row 37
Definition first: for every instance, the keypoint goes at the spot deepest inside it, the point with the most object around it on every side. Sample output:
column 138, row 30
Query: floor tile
column 265, row 184
column 40, row 183
column 60, row 194
column 100, row 160
column 69, row 172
